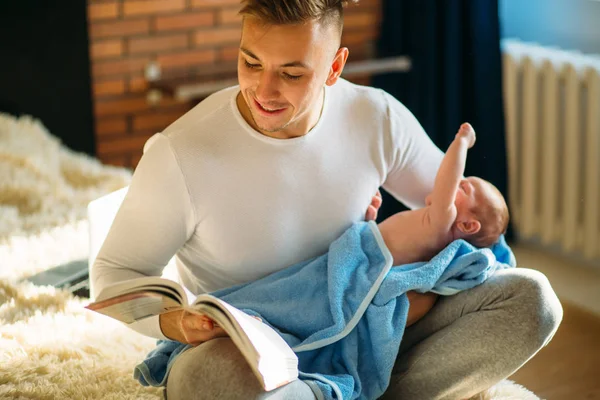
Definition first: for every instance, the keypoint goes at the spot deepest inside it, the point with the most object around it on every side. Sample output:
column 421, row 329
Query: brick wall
column 183, row 36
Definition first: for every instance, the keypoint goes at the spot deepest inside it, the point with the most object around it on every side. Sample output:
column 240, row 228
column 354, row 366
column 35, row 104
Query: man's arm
column 153, row 222
column 413, row 159
column 443, row 210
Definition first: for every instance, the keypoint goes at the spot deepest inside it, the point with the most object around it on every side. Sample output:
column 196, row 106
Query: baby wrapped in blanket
column 458, row 208
column 344, row 313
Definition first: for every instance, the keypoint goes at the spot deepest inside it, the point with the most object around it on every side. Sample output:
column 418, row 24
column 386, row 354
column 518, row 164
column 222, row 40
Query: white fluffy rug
column 50, row 347
column 44, row 191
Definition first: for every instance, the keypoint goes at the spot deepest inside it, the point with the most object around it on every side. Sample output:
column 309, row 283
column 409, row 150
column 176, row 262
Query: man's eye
column 286, row 75
column 292, row 77
column 252, row 66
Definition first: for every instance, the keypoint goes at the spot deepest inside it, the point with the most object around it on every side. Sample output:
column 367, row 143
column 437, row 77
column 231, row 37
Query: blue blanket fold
column 344, row 313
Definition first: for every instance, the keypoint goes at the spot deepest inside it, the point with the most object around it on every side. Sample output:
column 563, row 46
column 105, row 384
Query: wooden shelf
column 218, row 77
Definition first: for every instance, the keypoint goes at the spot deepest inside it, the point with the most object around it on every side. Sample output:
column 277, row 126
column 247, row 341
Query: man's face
column 281, row 71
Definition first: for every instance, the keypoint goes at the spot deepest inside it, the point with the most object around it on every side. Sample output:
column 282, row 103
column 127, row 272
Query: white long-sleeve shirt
column 234, row 205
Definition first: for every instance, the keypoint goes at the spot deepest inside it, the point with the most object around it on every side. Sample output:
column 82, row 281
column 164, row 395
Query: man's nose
column 268, row 87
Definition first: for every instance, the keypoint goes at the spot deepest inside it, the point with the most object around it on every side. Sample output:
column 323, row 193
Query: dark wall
column 45, row 67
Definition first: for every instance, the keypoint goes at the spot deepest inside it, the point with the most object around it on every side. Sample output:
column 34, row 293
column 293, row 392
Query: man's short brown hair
column 290, row 12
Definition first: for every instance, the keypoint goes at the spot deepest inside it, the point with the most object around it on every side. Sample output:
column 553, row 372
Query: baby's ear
column 469, row 227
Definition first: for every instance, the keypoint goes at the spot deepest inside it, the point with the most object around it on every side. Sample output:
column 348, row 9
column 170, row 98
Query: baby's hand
column 466, row 131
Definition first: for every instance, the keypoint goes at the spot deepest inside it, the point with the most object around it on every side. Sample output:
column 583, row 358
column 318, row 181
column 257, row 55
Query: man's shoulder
column 377, row 97
column 206, row 125
column 355, row 103
column 348, row 91
column 212, row 109
column 366, row 97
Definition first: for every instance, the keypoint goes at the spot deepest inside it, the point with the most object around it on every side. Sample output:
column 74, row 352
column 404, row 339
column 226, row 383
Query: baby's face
column 473, row 192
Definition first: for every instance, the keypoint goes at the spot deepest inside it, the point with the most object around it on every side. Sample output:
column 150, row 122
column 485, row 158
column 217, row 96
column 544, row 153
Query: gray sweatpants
column 464, row 345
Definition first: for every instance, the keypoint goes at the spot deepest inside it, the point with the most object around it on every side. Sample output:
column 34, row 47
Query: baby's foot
column 466, row 131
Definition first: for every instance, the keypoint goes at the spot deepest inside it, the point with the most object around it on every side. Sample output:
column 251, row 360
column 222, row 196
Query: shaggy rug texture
column 50, row 346
column 44, row 191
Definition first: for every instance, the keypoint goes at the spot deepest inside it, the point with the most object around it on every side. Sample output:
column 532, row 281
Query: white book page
column 135, row 306
column 141, row 284
column 268, row 354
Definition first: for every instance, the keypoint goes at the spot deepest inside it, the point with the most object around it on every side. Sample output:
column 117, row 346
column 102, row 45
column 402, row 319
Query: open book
column 272, row 360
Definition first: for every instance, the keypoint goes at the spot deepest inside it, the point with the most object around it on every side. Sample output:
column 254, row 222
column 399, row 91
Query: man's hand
column 189, row 328
column 420, row 304
column 373, row 208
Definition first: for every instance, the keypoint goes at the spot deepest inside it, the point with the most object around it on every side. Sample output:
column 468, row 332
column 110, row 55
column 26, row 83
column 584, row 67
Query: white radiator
column 552, row 107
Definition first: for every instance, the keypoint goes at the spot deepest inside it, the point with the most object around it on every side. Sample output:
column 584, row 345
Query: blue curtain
column 456, row 76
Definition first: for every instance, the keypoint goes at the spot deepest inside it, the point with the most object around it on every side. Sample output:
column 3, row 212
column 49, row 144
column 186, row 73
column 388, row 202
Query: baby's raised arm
column 442, row 209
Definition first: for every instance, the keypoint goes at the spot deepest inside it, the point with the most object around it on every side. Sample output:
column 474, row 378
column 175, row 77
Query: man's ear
column 469, row 227
column 337, row 65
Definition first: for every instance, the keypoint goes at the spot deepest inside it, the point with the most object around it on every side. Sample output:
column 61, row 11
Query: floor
column 568, row 368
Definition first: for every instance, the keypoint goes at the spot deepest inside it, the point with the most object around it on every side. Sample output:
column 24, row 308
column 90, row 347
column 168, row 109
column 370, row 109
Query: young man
column 269, row 173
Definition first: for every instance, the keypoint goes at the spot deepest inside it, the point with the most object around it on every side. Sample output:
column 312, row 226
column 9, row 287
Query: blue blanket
column 347, row 344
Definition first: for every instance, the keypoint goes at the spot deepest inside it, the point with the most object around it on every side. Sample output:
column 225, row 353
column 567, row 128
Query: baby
column 458, row 208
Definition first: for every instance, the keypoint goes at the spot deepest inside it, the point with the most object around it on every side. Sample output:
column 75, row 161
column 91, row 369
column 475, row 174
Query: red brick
column 157, row 44
column 365, row 4
column 122, row 106
column 350, row 38
column 107, row 88
column 137, row 84
column 119, row 28
column 119, row 67
column 189, row 20
column 98, row 11
column 361, row 20
column 229, row 16
column 111, row 126
column 156, row 121
column 216, row 36
column 229, row 53
column 122, row 144
column 213, row 3
column 106, row 49
column 131, row 104
column 135, row 157
column 116, row 160
column 186, row 59
column 361, row 51
column 145, row 7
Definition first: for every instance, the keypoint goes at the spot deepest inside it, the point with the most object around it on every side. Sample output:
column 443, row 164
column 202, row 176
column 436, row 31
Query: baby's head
column 482, row 213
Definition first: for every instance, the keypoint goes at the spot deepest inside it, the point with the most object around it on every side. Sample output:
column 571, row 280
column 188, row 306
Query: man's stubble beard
column 274, row 130
column 291, row 120
column 252, row 111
